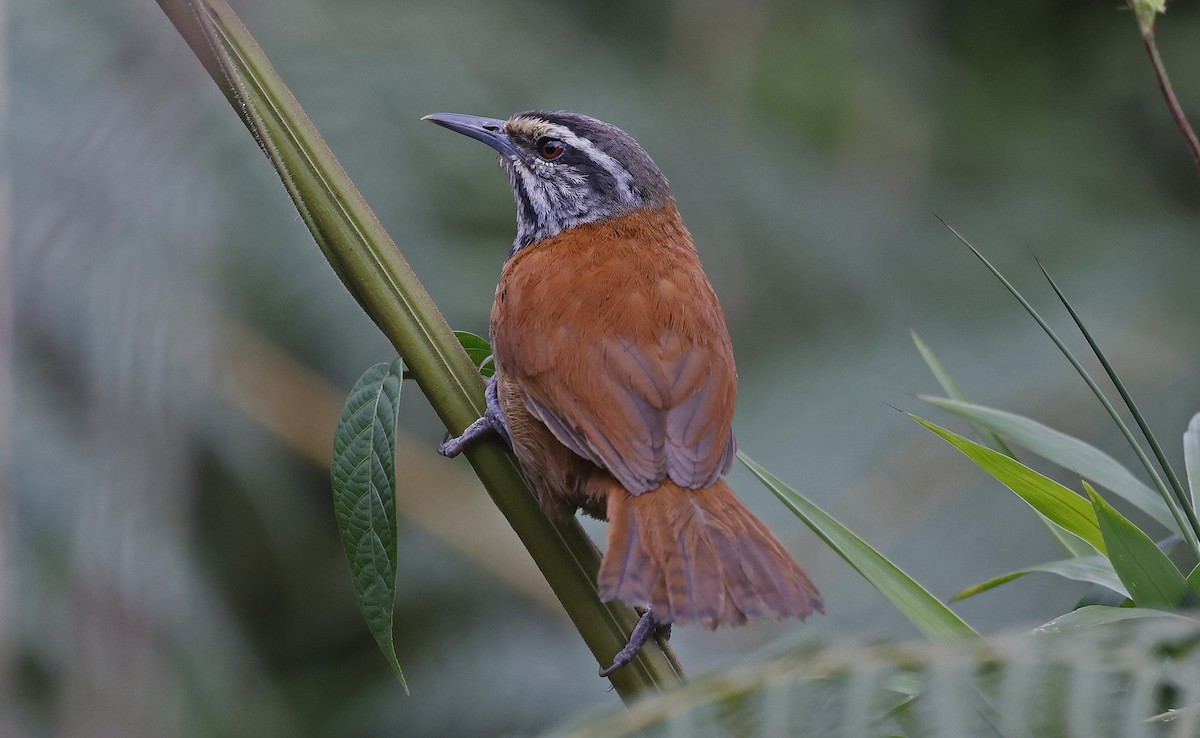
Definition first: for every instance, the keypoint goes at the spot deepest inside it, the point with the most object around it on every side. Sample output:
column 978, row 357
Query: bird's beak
column 488, row 130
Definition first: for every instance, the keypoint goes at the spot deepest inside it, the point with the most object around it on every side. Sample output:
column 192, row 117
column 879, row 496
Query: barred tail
column 699, row 556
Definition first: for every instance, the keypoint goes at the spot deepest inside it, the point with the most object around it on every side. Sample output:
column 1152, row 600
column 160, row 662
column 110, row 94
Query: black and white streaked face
column 566, row 169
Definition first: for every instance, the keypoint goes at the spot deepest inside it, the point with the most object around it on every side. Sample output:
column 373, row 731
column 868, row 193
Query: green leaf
column 1068, row 452
column 1149, row 576
column 479, row 350
column 364, row 497
column 1193, row 580
column 1191, row 457
column 951, row 388
column 1093, row 569
column 1094, row 616
column 1059, row 504
column 1070, row 542
column 925, row 611
column 1175, row 497
column 1186, row 521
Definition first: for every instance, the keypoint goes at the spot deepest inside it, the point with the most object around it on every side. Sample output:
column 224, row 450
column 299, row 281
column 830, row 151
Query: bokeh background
column 174, row 350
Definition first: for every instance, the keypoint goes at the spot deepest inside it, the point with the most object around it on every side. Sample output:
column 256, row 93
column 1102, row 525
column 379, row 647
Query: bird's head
column 566, row 169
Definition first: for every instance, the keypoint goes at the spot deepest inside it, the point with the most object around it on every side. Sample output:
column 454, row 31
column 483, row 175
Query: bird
column 615, row 383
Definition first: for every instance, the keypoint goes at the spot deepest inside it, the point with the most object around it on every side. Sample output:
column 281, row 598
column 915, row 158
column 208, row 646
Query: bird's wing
column 633, row 371
column 642, row 412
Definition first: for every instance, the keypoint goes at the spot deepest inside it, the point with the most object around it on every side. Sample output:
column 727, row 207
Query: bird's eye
column 550, row 148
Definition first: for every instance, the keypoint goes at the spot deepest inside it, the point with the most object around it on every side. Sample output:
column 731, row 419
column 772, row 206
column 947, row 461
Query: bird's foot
column 491, row 422
column 647, row 627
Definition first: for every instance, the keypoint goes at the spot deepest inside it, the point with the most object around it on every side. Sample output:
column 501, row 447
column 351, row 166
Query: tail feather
column 699, row 556
column 627, row 567
column 692, row 560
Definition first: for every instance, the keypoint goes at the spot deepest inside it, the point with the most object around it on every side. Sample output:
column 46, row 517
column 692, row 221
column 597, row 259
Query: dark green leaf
column 1059, row 504
column 1149, row 576
column 1193, row 580
column 364, row 497
column 925, row 611
column 479, row 350
column 1175, row 497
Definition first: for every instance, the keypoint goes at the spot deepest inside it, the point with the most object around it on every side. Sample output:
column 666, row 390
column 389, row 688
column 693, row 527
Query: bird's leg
column 492, row 421
column 645, row 629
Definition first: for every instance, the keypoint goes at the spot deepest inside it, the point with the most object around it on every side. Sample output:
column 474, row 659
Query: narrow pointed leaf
column 1149, row 576
column 1098, row 615
column 1066, row 451
column 1059, row 504
column 925, row 611
column 364, row 497
column 1191, row 457
column 1175, row 497
column 1070, row 543
column 479, row 350
column 1191, row 534
column 988, row 437
column 1093, row 569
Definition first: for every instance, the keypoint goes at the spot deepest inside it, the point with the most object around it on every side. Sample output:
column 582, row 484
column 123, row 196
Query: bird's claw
column 492, row 421
column 451, row 447
column 647, row 627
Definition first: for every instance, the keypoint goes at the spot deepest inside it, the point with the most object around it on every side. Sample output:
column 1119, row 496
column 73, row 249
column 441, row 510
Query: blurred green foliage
column 169, row 557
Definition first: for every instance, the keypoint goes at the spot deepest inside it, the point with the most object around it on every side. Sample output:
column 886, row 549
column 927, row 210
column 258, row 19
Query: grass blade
column 987, row 436
column 1071, row 544
column 925, row 611
column 1191, row 535
column 1062, row 506
column 1068, row 452
column 1192, row 527
column 1191, row 457
column 1149, row 576
column 1094, row 569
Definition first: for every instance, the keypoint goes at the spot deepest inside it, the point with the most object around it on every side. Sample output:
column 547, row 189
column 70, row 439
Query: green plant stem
column 376, row 274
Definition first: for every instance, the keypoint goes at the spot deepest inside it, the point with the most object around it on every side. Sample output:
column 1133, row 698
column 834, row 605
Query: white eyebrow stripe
column 619, row 173
column 555, row 195
column 536, row 128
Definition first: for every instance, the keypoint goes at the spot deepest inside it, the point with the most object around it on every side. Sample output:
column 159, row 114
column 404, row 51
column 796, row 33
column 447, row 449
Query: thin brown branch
column 1164, row 84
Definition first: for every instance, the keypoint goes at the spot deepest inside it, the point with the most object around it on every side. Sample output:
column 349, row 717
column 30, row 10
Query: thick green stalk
column 376, row 274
